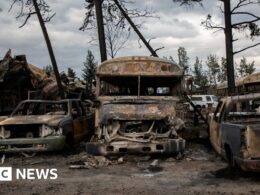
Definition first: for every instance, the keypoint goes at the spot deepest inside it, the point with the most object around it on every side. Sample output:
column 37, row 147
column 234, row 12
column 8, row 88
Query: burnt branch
column 159, row 49
column 26, row 19
column 246, row 48
column 250, row 25
column 221, row 9
column 188, row 2
column 151, row 39
column 111, row 11
column 116, row 22
column 237, row 25
column 243, row 3
column 209, row 24
column 256, row 18
column 116, row 37
column 11, row 7
column 27, row 10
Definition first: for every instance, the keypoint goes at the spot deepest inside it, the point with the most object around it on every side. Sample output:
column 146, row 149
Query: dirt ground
column 199, row 171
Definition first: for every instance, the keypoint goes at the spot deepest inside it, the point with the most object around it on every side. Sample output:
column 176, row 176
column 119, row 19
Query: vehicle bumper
column 51, row 143
column 249, row 165
column 170, row 146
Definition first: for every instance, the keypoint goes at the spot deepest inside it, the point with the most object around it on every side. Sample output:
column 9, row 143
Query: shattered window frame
column 145, row 86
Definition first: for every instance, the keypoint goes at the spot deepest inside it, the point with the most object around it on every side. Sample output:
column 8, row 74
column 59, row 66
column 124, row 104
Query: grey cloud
column 178, row 26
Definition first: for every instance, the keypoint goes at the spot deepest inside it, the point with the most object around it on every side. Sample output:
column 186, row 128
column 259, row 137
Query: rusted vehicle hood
column 52, row 120
column 137, row 111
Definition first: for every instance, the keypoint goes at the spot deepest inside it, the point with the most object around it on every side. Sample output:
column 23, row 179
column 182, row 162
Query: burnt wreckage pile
column 140, row 107
column 17, row 77
column 20, row 80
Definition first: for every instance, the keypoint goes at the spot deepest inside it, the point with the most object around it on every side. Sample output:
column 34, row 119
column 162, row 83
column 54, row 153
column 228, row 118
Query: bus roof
column 139, row 65
column 249, row 79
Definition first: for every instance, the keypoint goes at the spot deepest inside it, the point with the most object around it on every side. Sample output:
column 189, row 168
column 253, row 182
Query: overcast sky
column 177, row 26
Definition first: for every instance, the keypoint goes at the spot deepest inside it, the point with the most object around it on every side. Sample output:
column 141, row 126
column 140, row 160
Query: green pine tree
column 245, row 68
column 183, row 59
column 200, row 77
column 89, row 71
column 214, row 69
column 223, row 70
column 71, row 73
column 48, row 69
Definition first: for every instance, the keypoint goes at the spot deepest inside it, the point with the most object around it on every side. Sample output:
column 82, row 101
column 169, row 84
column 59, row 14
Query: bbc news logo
column 8, row 174
column 5, row 173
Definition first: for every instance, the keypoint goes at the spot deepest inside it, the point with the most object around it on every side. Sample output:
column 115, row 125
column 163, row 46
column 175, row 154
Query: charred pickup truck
column 139, row 111
column 40, row 125
column 235, row 130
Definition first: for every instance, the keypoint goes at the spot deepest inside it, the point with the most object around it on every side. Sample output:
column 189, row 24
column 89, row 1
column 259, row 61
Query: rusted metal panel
column 137, row 111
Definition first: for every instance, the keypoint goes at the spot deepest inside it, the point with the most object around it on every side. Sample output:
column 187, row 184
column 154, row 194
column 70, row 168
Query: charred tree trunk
column 229, row 48
column 49, row 46
column 101, row 31
column 136, row 29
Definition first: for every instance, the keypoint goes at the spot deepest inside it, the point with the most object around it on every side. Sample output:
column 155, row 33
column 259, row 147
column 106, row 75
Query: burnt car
column 235, row 131
column 139, row 108
column 40, row 125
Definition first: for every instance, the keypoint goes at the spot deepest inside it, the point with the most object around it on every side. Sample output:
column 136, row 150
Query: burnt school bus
column 139, row 107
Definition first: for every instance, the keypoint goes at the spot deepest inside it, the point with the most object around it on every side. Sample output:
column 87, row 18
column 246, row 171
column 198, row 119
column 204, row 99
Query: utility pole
column 49, row 46
column 136, row 29
column 101, row 31
column 229, row 48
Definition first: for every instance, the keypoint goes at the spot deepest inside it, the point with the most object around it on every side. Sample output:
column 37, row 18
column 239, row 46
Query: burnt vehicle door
column 232, row 129
column 215, row 125
column 81, row 121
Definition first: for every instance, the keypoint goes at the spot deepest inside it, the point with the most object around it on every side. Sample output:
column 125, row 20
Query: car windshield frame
column 139, row 86
column 34, row 108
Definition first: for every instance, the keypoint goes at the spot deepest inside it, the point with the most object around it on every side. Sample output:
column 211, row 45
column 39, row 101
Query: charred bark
column 49, row 46
column 229, row 48
column 101, row 31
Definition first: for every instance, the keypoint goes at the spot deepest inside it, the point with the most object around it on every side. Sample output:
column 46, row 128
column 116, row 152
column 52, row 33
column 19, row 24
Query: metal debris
column 83, row 161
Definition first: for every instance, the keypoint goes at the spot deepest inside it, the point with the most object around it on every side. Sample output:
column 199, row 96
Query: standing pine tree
column 246, row 68
column 183, row 59
column 200, row 78
column 48, row 69
column 214, row 69
column 89, row 72
column 223, row 70
column 71, row 73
